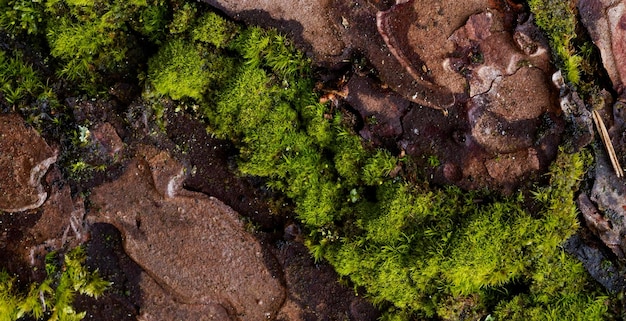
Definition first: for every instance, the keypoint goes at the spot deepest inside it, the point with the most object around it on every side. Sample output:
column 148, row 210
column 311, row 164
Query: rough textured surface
column 484, row 63
column 158, row 304
column 509, row 128
column 606, row 22
column 24, row 160
column 194, row 246
column 381, row 111
column 597, row 262
column 308, row 21
column 609, row 194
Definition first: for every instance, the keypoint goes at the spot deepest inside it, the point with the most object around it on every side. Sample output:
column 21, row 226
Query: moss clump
column 21, row 16
column 214, row 30
column 52, row 299
column 181, row 69
column 558, row 20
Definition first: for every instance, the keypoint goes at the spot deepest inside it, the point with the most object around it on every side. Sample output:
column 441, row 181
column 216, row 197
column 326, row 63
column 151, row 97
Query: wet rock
column 24, row 159
column 193, row 245
column 606, row 22
column 505, row 119
column 416, row 33
column 487, row 51
column 510, row 127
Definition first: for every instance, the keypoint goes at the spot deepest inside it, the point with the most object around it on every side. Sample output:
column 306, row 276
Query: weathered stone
column 609, row 195
column 24, row 160
column 506, row 118
column 381, row 112
column 509, row 128
column 416, row 33
column 158, row 304
column 597, row 263
column 606, row 22
column 193, row 245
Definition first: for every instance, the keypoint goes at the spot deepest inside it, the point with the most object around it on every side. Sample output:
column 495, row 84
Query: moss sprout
column 53, row 297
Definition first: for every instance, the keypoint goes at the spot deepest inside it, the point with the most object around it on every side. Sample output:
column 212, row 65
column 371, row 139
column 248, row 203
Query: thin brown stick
column 606, row 139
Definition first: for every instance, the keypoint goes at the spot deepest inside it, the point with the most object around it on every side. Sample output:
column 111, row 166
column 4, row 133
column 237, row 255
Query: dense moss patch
column 419, row 251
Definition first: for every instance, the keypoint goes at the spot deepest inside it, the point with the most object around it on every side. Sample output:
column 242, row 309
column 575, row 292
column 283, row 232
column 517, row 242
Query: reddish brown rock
column 158, row 304
column 606, row 22
column 107, row 140
column 193, row 245
column 381, row 111
column 506, row 118
column 24, row 159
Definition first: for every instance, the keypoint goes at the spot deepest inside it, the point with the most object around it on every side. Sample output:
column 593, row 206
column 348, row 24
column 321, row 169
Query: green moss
column 378, row 167
column 214, row 30
column 53, row 297
column 21, row 16
column 419, row 251
column 25, row 91
column 557, row 19
column 91, row 38
column 180, row 69
column 153, row 21
column 184, row 17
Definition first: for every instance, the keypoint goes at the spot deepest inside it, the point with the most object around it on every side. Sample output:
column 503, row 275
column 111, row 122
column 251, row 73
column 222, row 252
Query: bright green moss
column 378, row 167
column 55, row 294
column 214, row 30
column 423, row 252
column 90, row 37
column 181, row 69
column 557, row 18
column 184, row 17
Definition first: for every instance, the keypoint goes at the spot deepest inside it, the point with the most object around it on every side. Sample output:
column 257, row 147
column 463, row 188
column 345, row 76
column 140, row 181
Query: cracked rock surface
column 24, row 160
column 508, row 128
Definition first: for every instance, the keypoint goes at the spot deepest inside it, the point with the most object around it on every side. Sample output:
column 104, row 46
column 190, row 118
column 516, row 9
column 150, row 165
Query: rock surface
column 193, row 246
column 509, row 128
column 24, row 160
column 606, row 22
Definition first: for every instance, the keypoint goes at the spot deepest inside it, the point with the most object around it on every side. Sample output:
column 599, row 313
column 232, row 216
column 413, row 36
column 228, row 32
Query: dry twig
column 606, row 139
